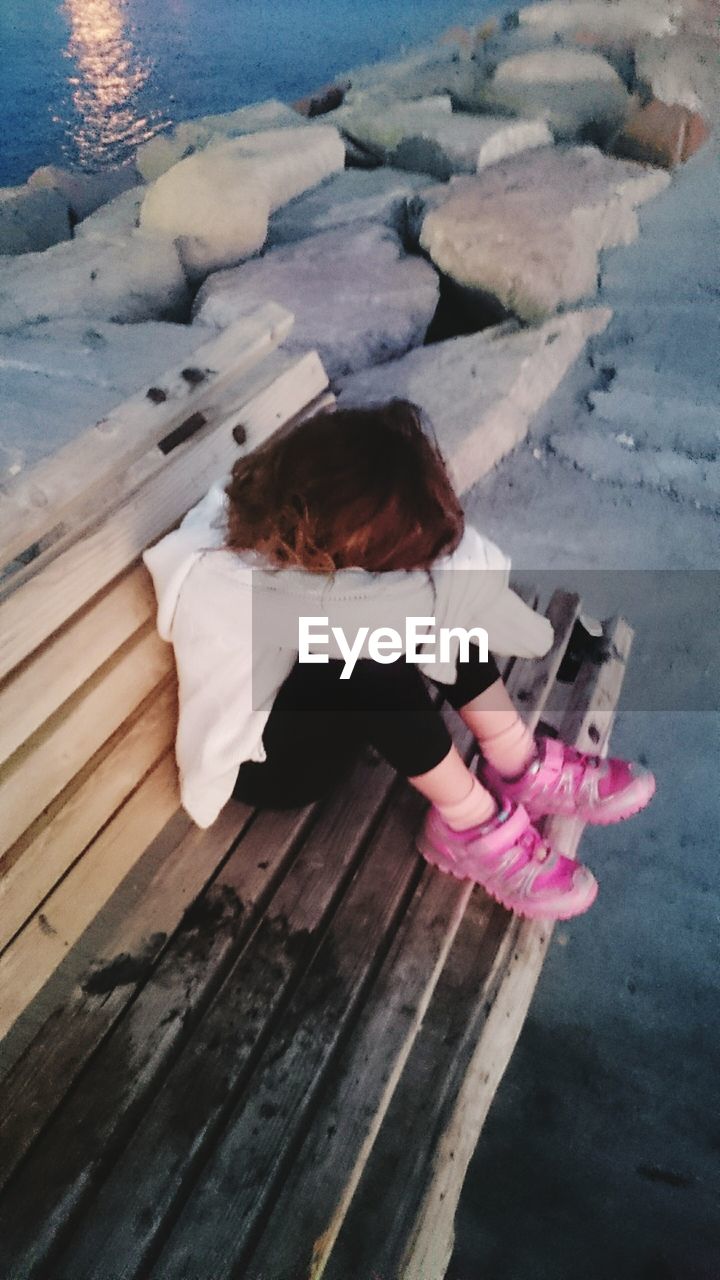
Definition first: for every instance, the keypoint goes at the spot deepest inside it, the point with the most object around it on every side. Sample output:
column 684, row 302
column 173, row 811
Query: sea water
column 83, row 82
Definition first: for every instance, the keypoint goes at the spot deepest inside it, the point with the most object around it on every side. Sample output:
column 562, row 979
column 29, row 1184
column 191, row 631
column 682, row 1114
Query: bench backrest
column 87, row 688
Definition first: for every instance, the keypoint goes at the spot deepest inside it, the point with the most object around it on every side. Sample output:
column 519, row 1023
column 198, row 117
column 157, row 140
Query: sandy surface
column 601, row 1155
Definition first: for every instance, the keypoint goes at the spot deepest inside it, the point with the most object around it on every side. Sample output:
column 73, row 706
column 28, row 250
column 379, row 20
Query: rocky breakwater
column 399, row 213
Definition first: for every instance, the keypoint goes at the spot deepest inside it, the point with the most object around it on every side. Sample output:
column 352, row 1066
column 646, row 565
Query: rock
column 356, row 297
column 579, row 94
column 119, row 217
column 627, row 21
column 325, row 100
column 215, row 205
column 682, row 69
column 353, row 196
column 32, row 220
column 429, row 70
column 131, row 279
column 527, row 232
column 480, row 392
column 662, row 134
column 158, row 155
column 427, row 137
column 61, row 376
column 85, row 192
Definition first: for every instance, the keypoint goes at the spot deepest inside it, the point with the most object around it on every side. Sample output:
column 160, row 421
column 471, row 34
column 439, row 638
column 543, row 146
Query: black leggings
column 319, row 722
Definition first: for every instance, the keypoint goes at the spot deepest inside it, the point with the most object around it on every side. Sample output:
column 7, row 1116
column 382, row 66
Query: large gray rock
column 59, row 377
column 480, row 392
column 215, row 205
column 618, row 21
column 31, row 221
column 356, row 297
column 84, row 192
column 579, row 94
column 352, row 196
column 131, row 279
column 427, row 137
column 158, row 155
column 682, row 69
column 431, row 69
column 527, row 232
column 119, row 217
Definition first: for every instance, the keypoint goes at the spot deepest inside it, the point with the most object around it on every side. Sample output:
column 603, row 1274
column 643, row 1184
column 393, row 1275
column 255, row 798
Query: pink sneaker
column 511, row 861
column 569, row 782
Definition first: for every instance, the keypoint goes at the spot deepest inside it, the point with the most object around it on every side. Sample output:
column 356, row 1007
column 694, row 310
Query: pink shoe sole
column 512, row 863
column 529, row 911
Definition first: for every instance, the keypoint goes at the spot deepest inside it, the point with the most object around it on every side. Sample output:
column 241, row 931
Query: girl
column 351, row 518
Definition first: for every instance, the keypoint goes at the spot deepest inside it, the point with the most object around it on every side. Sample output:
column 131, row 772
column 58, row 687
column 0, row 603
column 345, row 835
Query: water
column 83, row 82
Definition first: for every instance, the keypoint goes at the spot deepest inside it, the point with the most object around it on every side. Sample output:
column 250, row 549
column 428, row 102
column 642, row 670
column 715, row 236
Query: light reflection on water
column 108, row 75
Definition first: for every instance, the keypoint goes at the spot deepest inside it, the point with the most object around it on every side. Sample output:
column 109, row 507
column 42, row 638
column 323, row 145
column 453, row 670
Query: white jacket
column 233, row 625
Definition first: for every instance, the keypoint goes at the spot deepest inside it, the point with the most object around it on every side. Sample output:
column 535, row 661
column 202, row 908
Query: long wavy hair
column 349, row 488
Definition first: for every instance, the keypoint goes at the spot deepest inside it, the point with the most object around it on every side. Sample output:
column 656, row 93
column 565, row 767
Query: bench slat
column 65, row 829
column 33, row 503
column 40, row 770
column 38, row 608
column 30, row 697
column 27, row 964
column 61, row 1169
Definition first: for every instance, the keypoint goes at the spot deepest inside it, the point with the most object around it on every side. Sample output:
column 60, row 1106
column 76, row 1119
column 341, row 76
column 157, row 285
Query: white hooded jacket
column 233, row 624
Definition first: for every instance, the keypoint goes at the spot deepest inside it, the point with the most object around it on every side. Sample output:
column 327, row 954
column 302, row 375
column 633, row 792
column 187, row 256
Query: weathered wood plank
column 28, row 962
column 35, row 864
column 31, row 696
column 42, row 767
column 127, row 951
column 32, row 503
column 83, row 1138
column 38, row 608
column 152, row 1173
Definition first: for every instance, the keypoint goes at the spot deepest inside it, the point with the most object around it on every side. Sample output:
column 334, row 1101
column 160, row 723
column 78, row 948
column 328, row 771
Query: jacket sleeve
column 477, row 592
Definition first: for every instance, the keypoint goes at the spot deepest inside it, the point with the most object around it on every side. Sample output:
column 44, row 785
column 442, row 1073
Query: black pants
column 319, row 722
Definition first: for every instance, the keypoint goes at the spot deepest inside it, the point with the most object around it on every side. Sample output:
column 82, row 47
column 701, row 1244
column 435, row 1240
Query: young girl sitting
column 351, row 519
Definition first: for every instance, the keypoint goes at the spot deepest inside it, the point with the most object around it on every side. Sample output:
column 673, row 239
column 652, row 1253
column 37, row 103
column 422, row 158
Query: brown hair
column 362, row 488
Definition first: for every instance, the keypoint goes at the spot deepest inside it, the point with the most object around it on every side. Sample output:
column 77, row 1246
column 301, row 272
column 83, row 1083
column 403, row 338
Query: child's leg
column 389, row 705
column 483, row 703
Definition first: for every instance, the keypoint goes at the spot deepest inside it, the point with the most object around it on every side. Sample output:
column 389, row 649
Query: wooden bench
column 262, row 1050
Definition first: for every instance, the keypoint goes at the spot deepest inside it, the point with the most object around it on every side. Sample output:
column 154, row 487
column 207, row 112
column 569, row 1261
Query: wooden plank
column 59, row 1172
column 438, row 1113
column 321, row 1182
column 590, row 714
column 258, row 1137
column 154, row 1167
column 33, row 502
column 30, row 697
column 40, row 606
column 38, row 861
column 27, row 964
column 33, row 1088
column 43, row 766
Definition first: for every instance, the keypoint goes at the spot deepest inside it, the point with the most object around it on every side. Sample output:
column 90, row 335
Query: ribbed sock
column 477, row 807
column 511, row 750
